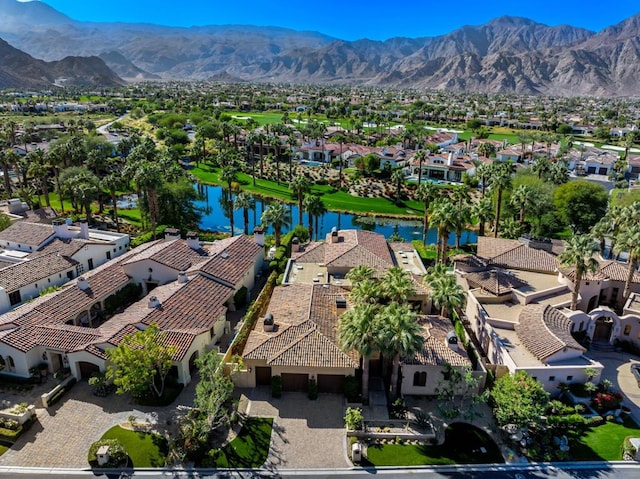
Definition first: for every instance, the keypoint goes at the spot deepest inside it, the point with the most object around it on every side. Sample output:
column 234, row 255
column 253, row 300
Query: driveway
column 62, row 434
column 306, row 434
column 617, row 369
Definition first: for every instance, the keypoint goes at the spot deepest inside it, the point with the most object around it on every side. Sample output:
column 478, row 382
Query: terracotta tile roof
column 436, row 351
column 194, row 308
column 66, row 247
column 513, row 254
column 470, row 261
column 65, row 339
column 310, row 253
column 231, row 262
column 353, row 240
column 617, row 271
column 19, row 275
column 306, row 319
column 545, row 331
column 495, row 281
column 25, row 232
column 175, row 254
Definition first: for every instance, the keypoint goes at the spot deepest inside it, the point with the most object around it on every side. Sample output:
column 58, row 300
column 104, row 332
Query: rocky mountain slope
column 505, row 55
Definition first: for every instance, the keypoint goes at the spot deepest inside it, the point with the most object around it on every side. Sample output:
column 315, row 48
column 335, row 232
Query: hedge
column 146, row 237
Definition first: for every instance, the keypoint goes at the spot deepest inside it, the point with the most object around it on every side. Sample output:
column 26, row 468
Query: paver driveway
column 62, row 435
column 306, row 434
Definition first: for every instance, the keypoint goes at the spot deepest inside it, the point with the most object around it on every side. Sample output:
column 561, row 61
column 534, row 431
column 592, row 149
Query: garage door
column 263, row 376
column 295, row 382
column 591, row 170
column 330, row 383
column 87, row 369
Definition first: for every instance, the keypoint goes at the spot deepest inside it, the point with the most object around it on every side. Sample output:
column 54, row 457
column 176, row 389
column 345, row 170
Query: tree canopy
column 519, row 399
column 581, row 203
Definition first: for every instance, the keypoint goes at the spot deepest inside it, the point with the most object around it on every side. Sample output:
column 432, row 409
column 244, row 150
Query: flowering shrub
column 607, row 401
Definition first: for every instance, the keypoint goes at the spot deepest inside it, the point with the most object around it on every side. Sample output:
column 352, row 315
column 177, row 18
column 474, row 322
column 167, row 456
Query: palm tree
column 499, row 180
column 401, row 336
column 446, row 293
column 482, row 210
column 276, row 215
column 420, row 156
column 300, row 185
column 524, row 138
column 520, row 198
column 315, row 208
column 112, row 182
column 397, row 285
column 443, row 215
column 426, row 192
column 39, row 171
column 274, row 141
column 629, row 241
column 292, row 142
column 579, row 254
column 246, row 202
column 148, row 177
column 397, row 176
column 8, row 158
column 358, row 330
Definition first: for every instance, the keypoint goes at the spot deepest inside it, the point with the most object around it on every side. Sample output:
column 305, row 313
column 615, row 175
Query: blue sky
column 350, row 19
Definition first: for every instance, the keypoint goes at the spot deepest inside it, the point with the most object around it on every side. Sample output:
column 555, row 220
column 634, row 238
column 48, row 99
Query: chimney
column 82, row 283
column 171, row 234
column 60, row 228
column 452, row 341
column 295, row 245
column 193, row 241
column 84, row 229
column 334, row 234
column 154, row 302
column 450, row 159
column 268, row 324
column 182, row 277
column 258, row 235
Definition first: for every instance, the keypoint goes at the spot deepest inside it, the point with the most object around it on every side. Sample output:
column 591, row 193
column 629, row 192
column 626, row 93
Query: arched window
column 420, row 378
column 3, row 364
column 627, row 330
column 11, row 366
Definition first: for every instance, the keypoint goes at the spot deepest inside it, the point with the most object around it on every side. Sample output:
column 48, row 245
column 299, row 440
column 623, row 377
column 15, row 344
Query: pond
column 215, row 217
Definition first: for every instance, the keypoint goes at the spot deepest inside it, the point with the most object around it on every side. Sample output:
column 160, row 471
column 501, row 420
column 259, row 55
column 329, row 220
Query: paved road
column 558, row 471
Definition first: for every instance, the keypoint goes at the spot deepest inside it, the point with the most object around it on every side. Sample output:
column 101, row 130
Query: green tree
column 213, row 391
column 445, row 293
column 358, row 330
column 519, row 399
column 426, row 192
column 444, row 216
column 315, row 209
column 579, row 254
column 277, row 215
column 581, row 204
column 397, row 285
column 299, row 186
column 499, row 180
column 245, row 202
column 141, row 362
column 401, row 336
column 629, row 241
column 482, row 211
column 397, row 177
column 458, row 393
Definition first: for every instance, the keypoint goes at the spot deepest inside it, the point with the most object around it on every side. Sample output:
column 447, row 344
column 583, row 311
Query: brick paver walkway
column 62, row 435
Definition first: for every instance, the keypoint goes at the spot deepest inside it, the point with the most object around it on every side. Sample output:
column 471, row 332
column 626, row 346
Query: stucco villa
column 297, row 338
column 187, row 287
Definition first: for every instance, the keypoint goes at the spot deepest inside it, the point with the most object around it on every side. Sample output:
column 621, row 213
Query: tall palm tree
column 292, row 141
column 358, row 329
column 420, row 156
column 39, row 171
column 499, row 180
column 396, row 285
column 315, row 209
column 482, row 210
column 520, row 198
column 277, row 215
column 300, row 185
column 446, row 293
column 426, row 192
column 579, row 254
column 112, row 182
column 245, row 202
column 444, row 216
column 397, row 177
column 401, row 336
column 274, row 141
column 629, row 241
column 360, row 273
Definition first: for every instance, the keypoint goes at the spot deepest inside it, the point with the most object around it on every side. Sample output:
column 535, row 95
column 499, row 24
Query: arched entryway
column 603, row 329
column 86, row 369
column 192, row 363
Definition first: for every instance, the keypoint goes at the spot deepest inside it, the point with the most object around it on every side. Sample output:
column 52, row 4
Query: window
column 79, row 269
column 420, row 378
column 108, row 254
column 11, row 366
column 90, row 263
column 552, row 378
column 627, row 330
column 14, row 298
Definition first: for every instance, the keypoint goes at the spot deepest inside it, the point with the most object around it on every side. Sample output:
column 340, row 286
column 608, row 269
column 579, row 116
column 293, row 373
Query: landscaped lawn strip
column 603, row 443
column 144, row 449
column 251, row 447
column 3, row 449
column 462, row 446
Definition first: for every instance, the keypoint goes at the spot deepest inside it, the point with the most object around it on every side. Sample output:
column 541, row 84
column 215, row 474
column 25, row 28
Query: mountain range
column 505, row 55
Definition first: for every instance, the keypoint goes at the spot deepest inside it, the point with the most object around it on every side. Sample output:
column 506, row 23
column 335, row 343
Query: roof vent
column 83, row 284
column 182, row 277
column 268, row 324
column 154, row 302
column 171, row 234
column 224, row 255
column 193, row 241
column 341, row 303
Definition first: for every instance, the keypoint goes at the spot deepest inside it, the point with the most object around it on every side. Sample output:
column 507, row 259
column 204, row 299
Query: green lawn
column 603, row 443
column 462, row 446
column 144, row 449
column 333, row 200
column 3, row 449
column 250, row 448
